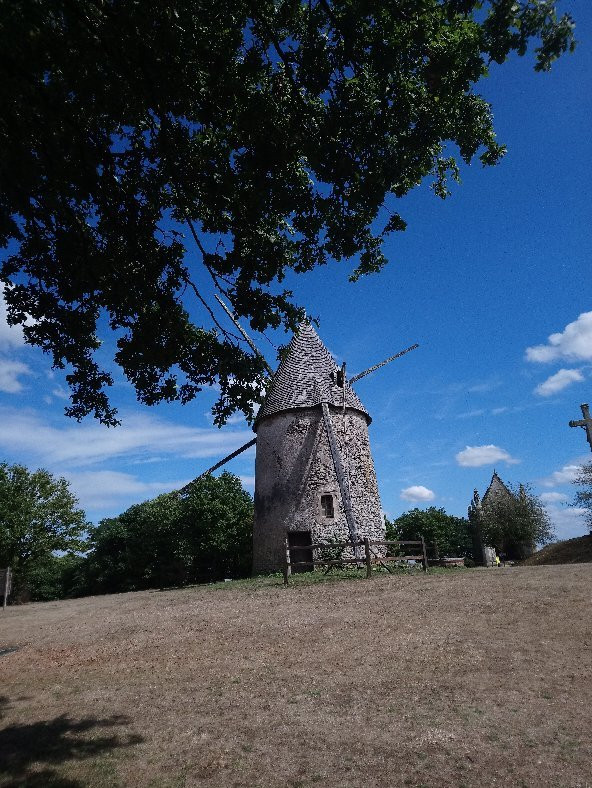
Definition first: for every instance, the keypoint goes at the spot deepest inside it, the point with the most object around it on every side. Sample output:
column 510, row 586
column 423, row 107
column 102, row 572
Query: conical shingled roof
column 306, row 377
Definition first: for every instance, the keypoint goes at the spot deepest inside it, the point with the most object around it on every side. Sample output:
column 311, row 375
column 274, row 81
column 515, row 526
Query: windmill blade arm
column 382, row 363
column 221, row 463
column 246, row 337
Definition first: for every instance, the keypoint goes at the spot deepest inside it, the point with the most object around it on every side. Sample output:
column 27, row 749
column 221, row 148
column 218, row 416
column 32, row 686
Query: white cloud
column 573, row 343
column 565, row 476
column 559, row 381
column 9, row 375
column 10, row 336
column 553, row 497
column 97, row 490
column 233, row 420
column 60, row 392
column 247, row 481
column 138, row 439
column 568, row 521
column 417, row 493
column 486, row 386
column 470, row 414
column 475, row 456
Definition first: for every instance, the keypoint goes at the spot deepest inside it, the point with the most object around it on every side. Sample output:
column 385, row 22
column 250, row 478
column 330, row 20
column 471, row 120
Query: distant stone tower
column 314, row 474
column 497, row 492
column 483, row 554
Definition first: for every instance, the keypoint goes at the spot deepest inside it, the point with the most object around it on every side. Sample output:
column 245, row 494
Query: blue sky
column 480, row 281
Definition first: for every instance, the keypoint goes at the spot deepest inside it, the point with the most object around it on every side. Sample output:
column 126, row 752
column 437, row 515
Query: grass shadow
column 31, row 754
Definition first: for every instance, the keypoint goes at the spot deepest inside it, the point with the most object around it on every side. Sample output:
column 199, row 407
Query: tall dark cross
column 586, row 422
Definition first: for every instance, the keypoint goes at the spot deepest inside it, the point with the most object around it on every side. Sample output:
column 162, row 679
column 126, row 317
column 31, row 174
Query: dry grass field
column 570, row 551
column 465, row 678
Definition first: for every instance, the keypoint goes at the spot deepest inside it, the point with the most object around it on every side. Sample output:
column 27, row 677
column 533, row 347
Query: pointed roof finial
column 307, row 375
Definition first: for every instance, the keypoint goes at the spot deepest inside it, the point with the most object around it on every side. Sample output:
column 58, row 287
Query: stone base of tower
column 296, row 487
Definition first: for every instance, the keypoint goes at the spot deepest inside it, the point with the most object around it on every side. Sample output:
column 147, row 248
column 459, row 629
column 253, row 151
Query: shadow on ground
column 31, row 755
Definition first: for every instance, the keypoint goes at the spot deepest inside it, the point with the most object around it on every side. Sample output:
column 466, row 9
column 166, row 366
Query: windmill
column 314, row 474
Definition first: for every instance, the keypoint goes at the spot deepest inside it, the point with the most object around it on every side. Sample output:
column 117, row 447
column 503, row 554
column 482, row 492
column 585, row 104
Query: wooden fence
column 5, row 584
column 369, row 559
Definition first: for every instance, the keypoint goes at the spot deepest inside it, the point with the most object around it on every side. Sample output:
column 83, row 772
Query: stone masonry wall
column 294, row 468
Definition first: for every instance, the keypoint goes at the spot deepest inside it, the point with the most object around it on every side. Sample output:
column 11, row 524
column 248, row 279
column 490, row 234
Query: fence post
column 368, row 559
column 287, row 565
column 425, row 557
column 7, row 585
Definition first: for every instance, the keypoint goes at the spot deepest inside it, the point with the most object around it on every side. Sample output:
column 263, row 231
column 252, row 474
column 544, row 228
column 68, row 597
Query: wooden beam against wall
column 340, row 473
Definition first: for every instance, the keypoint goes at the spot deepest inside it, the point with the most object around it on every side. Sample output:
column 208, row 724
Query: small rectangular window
column 327, row 505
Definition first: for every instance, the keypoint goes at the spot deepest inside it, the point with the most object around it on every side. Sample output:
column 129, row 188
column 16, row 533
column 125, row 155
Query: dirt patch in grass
column 469, row 678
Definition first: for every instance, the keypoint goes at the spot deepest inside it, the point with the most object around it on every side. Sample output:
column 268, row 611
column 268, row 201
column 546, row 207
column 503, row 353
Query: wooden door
column 302, row 541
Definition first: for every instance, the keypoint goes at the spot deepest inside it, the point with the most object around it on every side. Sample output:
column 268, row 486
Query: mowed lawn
column 467, row 678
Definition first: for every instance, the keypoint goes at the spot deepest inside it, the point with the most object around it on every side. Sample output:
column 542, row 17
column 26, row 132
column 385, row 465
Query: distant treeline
column 202, row 535
column 445, row 534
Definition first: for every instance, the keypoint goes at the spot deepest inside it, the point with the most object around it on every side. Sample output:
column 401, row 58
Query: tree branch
column 205, row 304
column 283, row 57
column 204, row 254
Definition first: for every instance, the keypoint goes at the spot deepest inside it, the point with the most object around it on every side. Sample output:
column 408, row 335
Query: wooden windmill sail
column 314, row 473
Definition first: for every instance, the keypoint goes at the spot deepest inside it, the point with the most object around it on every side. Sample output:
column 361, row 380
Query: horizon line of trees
column 512, row 525
column 203, row 534
column 583, row 496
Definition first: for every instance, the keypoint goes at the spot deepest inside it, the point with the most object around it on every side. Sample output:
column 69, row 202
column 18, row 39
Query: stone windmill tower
column 314, row 474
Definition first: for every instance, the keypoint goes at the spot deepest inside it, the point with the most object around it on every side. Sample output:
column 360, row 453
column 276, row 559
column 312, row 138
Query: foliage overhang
column 276, row 133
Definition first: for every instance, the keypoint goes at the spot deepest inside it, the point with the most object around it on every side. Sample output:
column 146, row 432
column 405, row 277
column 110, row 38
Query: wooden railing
column 369, row 559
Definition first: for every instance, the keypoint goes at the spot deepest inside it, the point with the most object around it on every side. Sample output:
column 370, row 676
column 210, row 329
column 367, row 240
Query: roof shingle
column 307, row 376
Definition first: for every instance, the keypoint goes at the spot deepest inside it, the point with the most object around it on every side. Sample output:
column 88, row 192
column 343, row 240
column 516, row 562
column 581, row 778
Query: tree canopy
column 583, row 497
column 515, row 523
column 202, row 534
column 152, row 154
column 38, row 517
column 449, row 534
